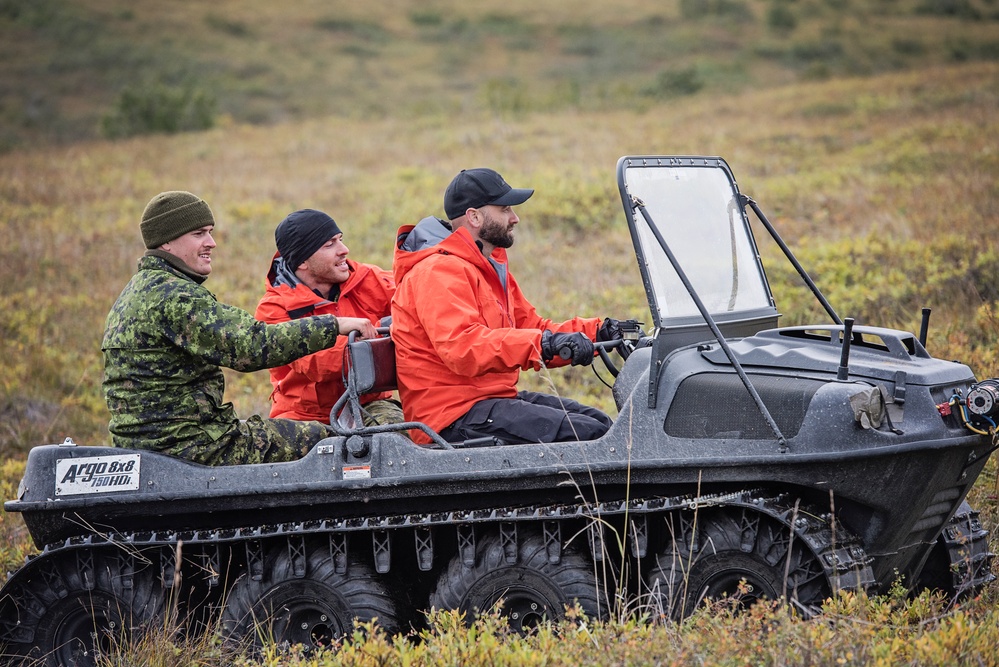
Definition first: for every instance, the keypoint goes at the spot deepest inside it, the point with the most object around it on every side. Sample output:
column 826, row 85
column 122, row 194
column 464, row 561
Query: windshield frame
column 680, row 193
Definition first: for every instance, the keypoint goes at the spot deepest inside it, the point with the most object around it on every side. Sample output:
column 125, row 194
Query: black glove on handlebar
column 575, row 346
column 610, row 330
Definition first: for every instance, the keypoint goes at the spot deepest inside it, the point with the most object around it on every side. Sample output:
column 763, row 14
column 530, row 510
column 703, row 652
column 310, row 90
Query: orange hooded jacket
column 462, row 333
column 307, row 388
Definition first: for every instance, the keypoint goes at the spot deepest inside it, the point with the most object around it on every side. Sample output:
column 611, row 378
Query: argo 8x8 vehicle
column 745, row 460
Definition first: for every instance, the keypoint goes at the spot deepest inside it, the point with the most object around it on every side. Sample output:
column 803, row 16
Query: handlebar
column 382, row 331
column 565, row 352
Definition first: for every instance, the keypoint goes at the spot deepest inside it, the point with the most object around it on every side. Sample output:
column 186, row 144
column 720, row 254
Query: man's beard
column 496, row 233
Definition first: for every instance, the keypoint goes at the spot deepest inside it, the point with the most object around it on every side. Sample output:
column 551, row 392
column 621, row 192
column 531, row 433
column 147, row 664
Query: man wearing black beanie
column 167, row 339
column 311, row 275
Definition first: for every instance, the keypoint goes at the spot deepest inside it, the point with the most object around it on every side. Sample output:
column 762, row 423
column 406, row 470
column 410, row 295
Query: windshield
column 695, row 205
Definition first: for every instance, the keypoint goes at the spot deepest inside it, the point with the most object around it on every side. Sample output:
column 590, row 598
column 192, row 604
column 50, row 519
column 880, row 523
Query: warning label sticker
column 357, row 472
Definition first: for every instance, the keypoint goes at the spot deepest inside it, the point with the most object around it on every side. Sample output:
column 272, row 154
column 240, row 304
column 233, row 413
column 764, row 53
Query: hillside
column 72, row 71
column 885, row 187
column 865, row 129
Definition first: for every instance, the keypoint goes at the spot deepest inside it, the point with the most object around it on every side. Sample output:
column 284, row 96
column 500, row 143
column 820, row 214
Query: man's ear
column 474, row 217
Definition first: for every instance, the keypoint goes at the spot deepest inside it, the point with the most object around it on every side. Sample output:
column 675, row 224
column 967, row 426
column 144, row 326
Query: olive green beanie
column 172, row 214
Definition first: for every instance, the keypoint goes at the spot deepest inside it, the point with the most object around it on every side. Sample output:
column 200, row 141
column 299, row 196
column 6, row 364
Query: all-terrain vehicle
column 746, row 460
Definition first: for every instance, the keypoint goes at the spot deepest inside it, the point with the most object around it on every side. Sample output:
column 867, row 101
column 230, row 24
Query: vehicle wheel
column 533, row 590
column 314, row 610
column 728, row 547
column 80, row 605
column 960, row 563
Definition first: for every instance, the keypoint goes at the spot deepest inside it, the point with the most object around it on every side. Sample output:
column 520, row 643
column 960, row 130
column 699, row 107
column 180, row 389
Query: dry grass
column 888, row 159
column 894, row 174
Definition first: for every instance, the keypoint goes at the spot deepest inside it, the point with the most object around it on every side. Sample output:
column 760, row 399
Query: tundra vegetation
column 866, row 131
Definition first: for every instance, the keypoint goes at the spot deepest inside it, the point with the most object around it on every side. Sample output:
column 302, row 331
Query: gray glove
column 575, row 346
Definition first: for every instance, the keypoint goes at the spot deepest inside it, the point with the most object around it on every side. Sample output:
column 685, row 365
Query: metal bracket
column 508, row 540
column 424, row 549
column 168, row 567
column 466, row 545
column 85, row 566
column 640, row 536
column 553, row 541
column 254, row 559
column 125, row 572
column 213, row 565
column 595, row 536
column 382, row 544
column 338, row 552
column 900, row 386
column 749, row 527
column 296, row 554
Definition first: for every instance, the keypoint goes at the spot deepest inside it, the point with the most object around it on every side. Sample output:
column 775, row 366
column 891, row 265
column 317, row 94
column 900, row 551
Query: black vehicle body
column 805, row 460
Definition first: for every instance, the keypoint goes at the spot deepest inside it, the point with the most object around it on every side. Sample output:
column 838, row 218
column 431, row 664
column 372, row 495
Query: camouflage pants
column 381, row 412
column 259, row 440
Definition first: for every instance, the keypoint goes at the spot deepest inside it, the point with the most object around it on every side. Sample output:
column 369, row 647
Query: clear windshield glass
column 697, row 211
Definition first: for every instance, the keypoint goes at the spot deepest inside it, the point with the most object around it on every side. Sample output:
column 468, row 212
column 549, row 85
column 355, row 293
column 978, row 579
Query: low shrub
column 159, row 109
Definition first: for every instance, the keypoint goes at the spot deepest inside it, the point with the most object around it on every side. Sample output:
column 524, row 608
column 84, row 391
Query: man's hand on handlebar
column 575, row 346
column 363, row 327
column 612, row 329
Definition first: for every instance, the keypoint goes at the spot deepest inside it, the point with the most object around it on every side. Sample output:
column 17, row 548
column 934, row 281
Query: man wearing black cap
column 167, row 337
column 311, row 275
column 463, row 330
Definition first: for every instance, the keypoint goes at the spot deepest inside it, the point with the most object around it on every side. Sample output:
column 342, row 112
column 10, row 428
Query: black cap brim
column 514, row 197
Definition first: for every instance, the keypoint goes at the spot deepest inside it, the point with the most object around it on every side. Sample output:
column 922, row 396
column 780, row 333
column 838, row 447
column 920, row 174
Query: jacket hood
column 432, row 236
column 415, row 242
column 283, row 284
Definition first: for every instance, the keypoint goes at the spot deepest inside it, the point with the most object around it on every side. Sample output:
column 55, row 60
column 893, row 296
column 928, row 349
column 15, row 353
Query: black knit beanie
column 170, row 215
column 302, row 233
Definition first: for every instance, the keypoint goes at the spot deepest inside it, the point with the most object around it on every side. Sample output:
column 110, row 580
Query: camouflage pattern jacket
column 165, row 342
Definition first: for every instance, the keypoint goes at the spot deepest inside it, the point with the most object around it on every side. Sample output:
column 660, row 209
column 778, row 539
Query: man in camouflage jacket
column 167, row 338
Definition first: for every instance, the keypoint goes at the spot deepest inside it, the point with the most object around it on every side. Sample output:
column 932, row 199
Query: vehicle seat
column 369, row 365
column 372, row 366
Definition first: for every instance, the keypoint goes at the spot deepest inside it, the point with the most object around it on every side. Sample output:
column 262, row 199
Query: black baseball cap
column 475, row 188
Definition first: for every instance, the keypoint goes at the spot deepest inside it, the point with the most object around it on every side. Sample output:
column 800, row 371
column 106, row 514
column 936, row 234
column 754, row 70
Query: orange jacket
column 307, row 389
column 460, row 334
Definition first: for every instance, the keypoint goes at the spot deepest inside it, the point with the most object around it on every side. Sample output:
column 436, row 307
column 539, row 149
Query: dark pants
column 530, row 417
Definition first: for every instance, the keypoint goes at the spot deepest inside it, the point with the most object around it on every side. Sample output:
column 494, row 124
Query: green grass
column 885, row 186
column 875, row 160
column 67, row 69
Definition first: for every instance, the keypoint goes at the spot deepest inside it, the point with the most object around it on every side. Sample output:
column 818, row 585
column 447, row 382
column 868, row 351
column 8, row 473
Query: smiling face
column 194, row 249
column 327, row 266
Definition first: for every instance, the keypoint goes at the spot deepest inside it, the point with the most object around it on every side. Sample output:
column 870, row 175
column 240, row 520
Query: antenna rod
column 924, row 327
column 844, row 360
